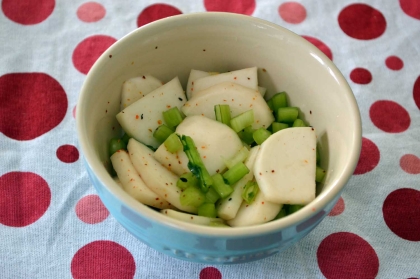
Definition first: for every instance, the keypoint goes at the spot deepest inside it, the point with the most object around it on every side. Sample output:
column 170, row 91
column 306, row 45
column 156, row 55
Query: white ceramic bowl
column 221, row 42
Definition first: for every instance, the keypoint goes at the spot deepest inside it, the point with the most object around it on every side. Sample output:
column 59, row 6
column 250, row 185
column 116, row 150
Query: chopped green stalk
column 218, row 224
column 235, row 173
column 293, row 208
column 243, row 120
column 246, row 135
column 172, row 117
column 115, row 145
column 299, row 123
column 212, row 196
column 207, row 210
column 162, row 133
column 270, row 104
column 250, row 191
column 282, row 213
column 320, row 173
column 287, row 115
column 220, row 186
column 195, row 164
column 187, row 180
column 222, row 113
column 172, row 143
column 279, row 101
column 192, row 196
column 276, row 126
column 240, row 156
column 125, row 138
column 261, row 135
column 318, row 156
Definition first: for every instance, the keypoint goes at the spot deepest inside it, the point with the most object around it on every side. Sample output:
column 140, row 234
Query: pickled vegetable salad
column 219, row 155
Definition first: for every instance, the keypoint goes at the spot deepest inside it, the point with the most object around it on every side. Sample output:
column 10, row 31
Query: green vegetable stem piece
column 207, row 210
column 282, row 213
column 219, row 185
column 260, row 135
column 172, row 143
column 288, row 115
column 125, row 138
column 235, row 173
column 116, row 144
column 243, row 120
column 192, row 196
column 319, row 175
column 172, row 117
column 279, row 101
column 222, row 114
column 218, row 224
column 162, row 133
column 212, row 196
column 240, row 156
column 318, row 156
column 187, row 180
column 292, row 208
column 246, row 135
column 298, row 123
column 276, row 126
column 250, row 191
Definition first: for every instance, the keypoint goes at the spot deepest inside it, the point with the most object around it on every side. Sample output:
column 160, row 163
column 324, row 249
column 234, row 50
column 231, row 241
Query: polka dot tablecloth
column 53, row 224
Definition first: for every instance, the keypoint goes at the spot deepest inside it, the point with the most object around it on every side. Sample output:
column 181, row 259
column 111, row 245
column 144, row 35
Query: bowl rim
column 305, row 213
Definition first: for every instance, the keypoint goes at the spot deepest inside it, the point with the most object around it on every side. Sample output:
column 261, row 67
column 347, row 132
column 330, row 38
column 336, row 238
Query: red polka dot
column 91, row 12
column 338, row 208
column 24, row 198
column 89, row 50
column 31, row 104
column 27, row 12
column 155, row 12
column 321, row 45
column 245, row 7
column 361, row 76
column 416, row 92
column 401, row 211
column 411, row 8
column 389, row 116
column 91, row 210
column 210, row 273
column 103, row 259
column 347, row 255
column 369, row 157
column 410, row 164
column 394, row 63
column 292, row 12
column 74, row 112
column 361, row 21
column 67, row 153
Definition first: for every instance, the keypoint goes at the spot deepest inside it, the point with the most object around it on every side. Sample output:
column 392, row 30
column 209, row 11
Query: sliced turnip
column 190, row 218
column 155, row 176
column 136, row 88
column 246, row 77
column 194, row 75
column 285, row 166
column 239, row 99
column 132, row 183
column 141, row 118
column 213, row 139
column 228, row 207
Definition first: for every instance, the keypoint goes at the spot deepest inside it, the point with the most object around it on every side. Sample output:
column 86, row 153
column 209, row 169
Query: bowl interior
column 222, row 42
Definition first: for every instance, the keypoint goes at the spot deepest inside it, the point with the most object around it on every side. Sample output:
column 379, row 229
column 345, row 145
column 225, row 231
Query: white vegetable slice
column 157, row 177
column 214, row 142
column 285, row 166
column 136, row 88
column 258, row 212
column 246, row 77
column 262, row 90
column 228, row 207
column 190, row 218
column 239, row 99
column 132, row 183
column 194, row 75
column 141, row 118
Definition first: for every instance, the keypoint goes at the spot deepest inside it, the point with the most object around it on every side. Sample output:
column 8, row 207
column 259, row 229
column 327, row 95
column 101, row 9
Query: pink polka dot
column 394, row 63
column 24, row 198
column 91, row 12
column 292, row 12
column 155, row 12
column 23, row 114
column 389, row 116
column 67, row 153
column 74, row 112
column 369, row 157
column 91, row 210
column 410, row 164
column 347, row 255
column 321, row 45
column 416, row 92
column 89, row 50
column 245, row 7
column 210, row 273
column 411, row 8
column 361, row 21
column 401, row 210
column 103, row 259
column 361, row 76
column 27, row 12
column 338, row 208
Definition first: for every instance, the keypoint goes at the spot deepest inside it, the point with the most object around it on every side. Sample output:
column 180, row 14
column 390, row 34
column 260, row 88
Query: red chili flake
column 233, row 100
column 246, row 205
column 166, row 195
column 249, row 78
column 312, row 129
column 155, row 47
column 264, row 70
column 150, row 130
column 144, row 77
column 137, row 116
column 121, row 160
column 310, row 112
column 108, row 102
column 306, row 161
column 203, row 147
column 106, row 111
column 234, row 78
column 192, row 89
column 110, row 56
column 192, row 82
column 192, row 217
column 224, row 100
column 166, row 183
column 118, row 150
column 131, row 179
column 204, row 157
column 169, row 165
column 272, row 171
column 159, row 122
column 157, row 199
column 260, row 173
column 262, row 202
column 204, row 50
column 179, row 162
column 168, row 106
column 166, row 211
